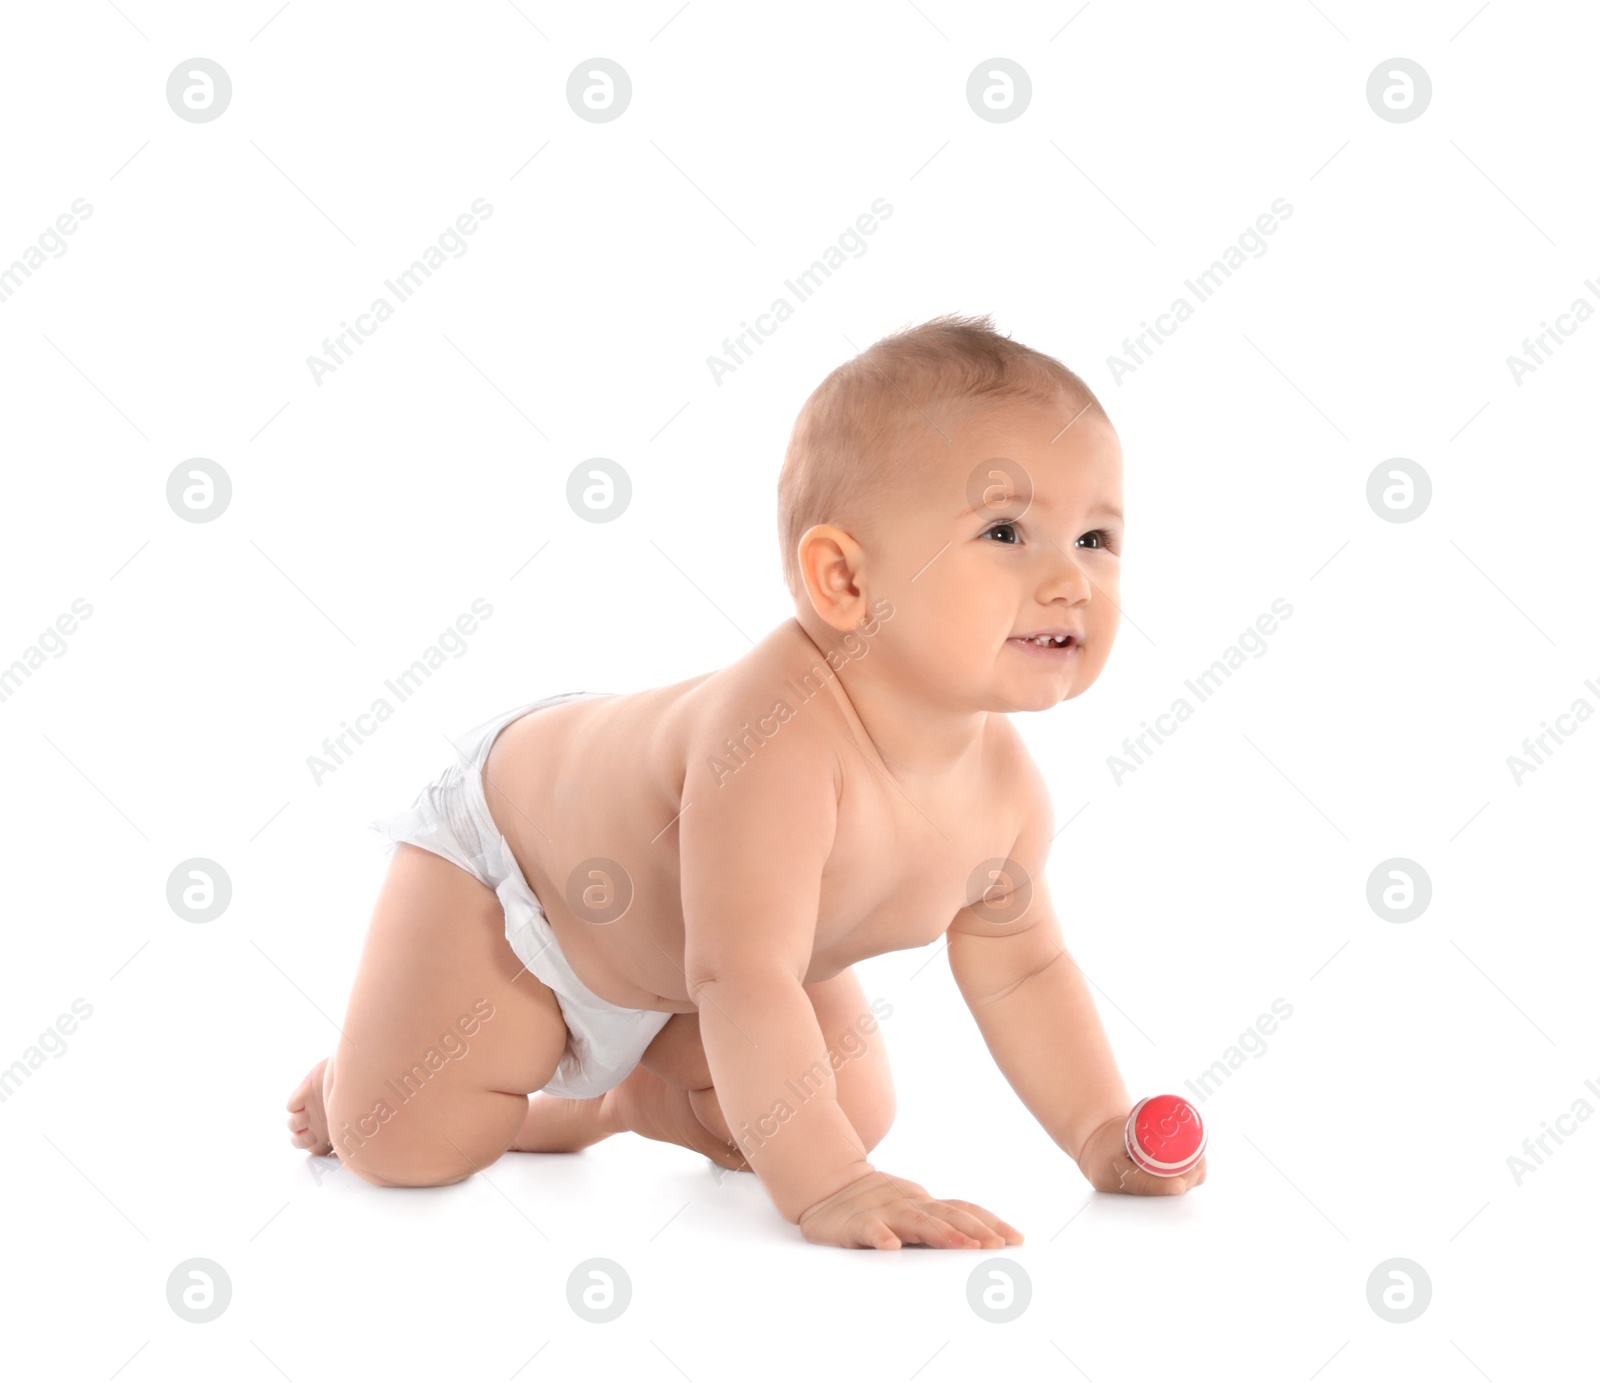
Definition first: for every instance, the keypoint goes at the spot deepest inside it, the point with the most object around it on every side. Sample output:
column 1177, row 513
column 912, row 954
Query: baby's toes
column 312, row 1141
column 307, row 1122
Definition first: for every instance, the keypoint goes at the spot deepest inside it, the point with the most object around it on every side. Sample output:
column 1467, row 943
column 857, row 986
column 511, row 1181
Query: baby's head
column 944, row 492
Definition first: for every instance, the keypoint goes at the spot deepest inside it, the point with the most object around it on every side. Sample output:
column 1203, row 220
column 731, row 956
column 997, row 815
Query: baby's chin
column 1037, row 698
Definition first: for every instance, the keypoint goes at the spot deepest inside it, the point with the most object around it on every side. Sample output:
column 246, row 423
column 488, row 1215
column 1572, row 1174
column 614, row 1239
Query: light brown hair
column 861, row 430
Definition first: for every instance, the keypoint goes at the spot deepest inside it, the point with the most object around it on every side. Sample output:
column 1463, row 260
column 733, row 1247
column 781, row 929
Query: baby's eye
column 996, row 528
column 1100, row 534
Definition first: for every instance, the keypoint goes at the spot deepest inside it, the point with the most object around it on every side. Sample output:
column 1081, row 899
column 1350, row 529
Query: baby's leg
column 445, row 1036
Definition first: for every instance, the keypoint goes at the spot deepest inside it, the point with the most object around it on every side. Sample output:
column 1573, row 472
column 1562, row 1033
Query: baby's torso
column 587, row 794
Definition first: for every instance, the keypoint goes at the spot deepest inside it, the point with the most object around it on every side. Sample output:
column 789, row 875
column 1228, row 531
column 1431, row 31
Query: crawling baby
column 647, row 905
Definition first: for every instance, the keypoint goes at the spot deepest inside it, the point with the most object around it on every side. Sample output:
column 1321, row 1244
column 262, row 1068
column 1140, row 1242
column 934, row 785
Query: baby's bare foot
column 649, row 1106
column 643, row 1103
column 308, row 1120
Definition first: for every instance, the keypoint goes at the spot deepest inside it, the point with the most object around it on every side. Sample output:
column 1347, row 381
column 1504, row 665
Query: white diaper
column 451, row 818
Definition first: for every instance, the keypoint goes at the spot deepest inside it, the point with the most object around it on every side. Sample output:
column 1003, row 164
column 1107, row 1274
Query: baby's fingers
column 972, row 1223
column 1137, row 1182
column 991, row 1221
column 872, row 1233
column 936, row 1225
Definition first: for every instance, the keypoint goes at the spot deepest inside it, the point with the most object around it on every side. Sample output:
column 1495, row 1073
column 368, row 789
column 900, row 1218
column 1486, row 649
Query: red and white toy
column 1164, row 1136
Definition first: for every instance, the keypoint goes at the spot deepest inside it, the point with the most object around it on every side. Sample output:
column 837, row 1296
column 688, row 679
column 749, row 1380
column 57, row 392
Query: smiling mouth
column 1048, row 643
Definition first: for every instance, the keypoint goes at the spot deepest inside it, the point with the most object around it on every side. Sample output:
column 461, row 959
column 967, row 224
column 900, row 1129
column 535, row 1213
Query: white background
column 370, row 511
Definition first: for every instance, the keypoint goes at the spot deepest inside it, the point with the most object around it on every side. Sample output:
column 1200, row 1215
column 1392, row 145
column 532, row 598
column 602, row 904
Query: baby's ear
column 829, row 560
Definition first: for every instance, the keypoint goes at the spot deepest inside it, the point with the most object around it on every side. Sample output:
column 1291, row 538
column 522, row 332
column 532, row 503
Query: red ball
column 1164, row 1136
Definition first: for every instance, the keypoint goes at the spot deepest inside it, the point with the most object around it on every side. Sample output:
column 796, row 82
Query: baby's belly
column 634, row 962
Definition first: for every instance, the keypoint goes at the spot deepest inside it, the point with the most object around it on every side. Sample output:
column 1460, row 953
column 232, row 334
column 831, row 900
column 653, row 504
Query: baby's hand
column 1104, row 1160
column 880, row 1211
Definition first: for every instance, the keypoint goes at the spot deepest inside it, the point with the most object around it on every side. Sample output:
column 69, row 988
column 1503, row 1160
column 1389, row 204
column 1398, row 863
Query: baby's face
column 1017, row 531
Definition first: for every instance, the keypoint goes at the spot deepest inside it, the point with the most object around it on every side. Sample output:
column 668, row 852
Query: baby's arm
column 1032, row 1004
column 752, row 852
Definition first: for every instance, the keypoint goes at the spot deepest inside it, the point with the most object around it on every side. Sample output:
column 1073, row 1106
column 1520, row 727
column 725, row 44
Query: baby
column 647, row 905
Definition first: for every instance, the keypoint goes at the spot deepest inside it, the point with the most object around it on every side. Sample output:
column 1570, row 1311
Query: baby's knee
column 397, row 1161
column 404, row 1147
column 406, row 1171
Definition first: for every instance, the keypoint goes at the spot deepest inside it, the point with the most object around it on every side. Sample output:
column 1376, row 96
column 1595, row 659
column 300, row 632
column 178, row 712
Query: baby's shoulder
column 761, row 727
